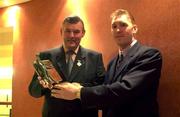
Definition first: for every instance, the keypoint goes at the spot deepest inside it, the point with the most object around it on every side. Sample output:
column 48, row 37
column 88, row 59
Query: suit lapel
column 112, row 69
column 79, row 63
column 127, row 59
column 61, row 63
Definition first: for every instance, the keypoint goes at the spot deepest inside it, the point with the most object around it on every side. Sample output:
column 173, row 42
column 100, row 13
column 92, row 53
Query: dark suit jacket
column 132, row 90
column 90, row 73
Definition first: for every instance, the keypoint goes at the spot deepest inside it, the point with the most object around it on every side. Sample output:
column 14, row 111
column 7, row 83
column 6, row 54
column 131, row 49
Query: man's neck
column 128, row 46
column 124, row 50
column 68, row 49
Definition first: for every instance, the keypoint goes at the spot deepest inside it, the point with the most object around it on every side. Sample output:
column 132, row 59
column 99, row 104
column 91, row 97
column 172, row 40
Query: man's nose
column 119, row 30
column 71, row 34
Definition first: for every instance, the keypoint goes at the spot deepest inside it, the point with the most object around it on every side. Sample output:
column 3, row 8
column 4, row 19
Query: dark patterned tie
column 118, row 63
column 69, row 61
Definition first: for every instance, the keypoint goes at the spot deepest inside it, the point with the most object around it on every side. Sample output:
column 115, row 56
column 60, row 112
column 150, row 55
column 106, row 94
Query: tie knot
column 70, row 52
column 121, row 57
column 119, row 60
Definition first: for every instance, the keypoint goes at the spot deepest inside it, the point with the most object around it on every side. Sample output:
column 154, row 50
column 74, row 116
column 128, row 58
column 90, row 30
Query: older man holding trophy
column 71, row 63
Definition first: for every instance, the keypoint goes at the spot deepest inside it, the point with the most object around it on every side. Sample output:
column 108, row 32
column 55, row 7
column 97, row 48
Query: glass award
column 46, row 70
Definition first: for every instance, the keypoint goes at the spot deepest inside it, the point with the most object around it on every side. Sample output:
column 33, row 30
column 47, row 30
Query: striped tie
column 69, row 61
column 118, row 63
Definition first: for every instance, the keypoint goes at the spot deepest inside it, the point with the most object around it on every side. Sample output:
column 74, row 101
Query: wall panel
column 39, row 24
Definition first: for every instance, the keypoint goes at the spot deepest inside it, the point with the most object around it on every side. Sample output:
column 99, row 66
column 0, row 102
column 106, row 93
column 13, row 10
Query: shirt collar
column 76, row 50
column 124, row 52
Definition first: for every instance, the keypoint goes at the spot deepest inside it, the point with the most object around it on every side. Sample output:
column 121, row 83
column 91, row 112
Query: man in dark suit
column 131, row 84
column 86, row 68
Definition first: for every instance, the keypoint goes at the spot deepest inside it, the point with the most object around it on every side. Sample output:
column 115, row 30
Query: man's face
column 72, row 34
column 122, row 30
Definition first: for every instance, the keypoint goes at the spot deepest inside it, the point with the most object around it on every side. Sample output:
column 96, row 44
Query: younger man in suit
column 86, row 68
column 131, row 84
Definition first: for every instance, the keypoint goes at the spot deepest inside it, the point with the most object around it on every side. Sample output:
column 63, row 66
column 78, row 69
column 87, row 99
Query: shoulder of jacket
column 90, row 51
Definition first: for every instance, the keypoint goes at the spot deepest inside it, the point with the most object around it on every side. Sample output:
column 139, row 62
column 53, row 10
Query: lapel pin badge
column 79, row 63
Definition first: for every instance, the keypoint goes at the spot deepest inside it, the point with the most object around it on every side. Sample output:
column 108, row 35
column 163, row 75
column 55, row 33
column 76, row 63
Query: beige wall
column 39, row 25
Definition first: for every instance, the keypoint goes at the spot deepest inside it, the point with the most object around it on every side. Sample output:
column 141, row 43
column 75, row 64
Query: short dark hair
column 73, row 20
column 120, row 12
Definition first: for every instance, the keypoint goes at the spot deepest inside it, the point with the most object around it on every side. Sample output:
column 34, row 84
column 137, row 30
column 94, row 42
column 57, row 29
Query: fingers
column 57, row 92
column 67, row 86
column 55, row 95
column 78, row 85
column 44, row 83
column 39, row 78
column 65, row 90
column 64, row 85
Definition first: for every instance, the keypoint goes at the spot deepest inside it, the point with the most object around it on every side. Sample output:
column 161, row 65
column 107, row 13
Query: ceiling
column 6, row 3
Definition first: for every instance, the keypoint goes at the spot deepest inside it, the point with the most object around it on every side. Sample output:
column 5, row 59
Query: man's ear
column 135, row 29
column 83, row 33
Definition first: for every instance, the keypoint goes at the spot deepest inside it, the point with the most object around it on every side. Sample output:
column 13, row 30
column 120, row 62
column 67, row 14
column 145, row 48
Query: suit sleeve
column 35, row 89
column 142, row 77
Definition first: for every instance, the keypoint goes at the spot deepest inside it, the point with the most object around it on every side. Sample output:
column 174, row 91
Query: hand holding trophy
column 46, row 71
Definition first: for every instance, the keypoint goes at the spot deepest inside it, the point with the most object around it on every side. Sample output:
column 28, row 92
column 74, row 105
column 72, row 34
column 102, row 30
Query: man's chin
column 123, row 45
column 72, row 47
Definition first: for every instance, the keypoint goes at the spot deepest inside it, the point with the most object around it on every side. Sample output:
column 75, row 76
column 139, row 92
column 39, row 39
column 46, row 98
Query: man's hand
column 66, row 90
column 44, row 83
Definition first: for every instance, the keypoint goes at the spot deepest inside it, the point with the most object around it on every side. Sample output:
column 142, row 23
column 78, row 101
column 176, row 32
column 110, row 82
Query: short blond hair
column 120, row 12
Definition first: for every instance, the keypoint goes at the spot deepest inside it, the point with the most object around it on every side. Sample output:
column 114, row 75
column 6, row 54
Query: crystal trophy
column 46, row 70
